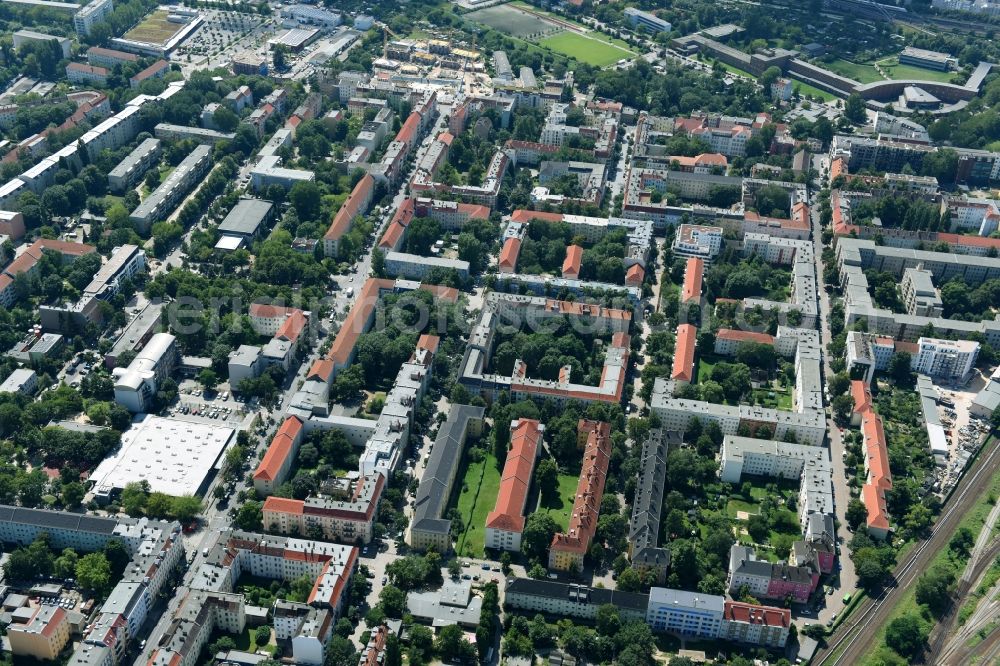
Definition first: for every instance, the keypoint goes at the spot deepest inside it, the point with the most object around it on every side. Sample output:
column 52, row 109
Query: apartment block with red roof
column 355, row 205
column 694, row 272
column 878, row 478
column 280, row 456
column 568, row 548
column 728, row 340
column 572, row 262
column 155, row 71
column 505, row 523
column 755, row 624
column 683, row 369
column 345, row 519
column 40, row 632
column 509, row 254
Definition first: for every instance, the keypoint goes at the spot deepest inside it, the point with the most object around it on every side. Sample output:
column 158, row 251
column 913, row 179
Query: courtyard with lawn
column 476, row 498
column 589, row 48
column 561, row 506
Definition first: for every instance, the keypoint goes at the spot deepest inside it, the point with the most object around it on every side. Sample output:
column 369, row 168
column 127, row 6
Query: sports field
column 586, row 48
column 154, row 29
column 515, row 22
column 554, row 33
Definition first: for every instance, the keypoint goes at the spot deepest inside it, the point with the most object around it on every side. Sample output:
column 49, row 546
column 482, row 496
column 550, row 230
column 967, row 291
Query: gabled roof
column 509, row 253
column 684, row 353
column 693, row 272
column 279, row 450
column 508, row 513
column 634, row 275
column 571, row 264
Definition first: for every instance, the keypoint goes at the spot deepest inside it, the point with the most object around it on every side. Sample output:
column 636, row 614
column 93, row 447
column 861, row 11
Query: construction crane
column 386, row 31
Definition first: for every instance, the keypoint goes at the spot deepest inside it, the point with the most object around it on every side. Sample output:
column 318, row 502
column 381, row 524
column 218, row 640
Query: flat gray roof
column 246, row 217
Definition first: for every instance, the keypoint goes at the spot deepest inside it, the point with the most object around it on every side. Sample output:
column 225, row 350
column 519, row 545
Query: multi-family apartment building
column 568, row 548
column 506, row 522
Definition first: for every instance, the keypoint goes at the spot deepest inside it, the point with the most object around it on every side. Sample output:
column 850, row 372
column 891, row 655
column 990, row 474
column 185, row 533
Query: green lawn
column 734, row 70
column 705, row 362
column 807, row 90
column 481, row 484
column 782, row 398
column 897, row 71
column 589, row 48
column 561, row 507
column 735, row 505
column 865, row 73
column 974, row 519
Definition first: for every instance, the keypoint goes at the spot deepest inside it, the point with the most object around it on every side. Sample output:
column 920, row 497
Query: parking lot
column 224, row 31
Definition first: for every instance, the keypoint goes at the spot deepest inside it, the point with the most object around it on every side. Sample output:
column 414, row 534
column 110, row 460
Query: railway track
column 855, row 636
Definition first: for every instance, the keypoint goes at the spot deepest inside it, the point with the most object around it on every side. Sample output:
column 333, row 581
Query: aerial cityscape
column 502, row 332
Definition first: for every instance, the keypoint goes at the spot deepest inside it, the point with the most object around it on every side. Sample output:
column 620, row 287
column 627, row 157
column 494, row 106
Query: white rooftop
column 174, row 455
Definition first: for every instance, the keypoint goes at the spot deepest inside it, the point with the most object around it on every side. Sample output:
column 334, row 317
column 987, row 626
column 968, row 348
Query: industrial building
column 175, row 456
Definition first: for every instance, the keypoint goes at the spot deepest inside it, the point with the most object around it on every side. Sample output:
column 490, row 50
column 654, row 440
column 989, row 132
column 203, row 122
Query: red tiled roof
column 358, row 199
column 440, row 292
column 571, row 264
column 767, row 616
column 283, row 505
column 356, row 321
column 153, row 70
column 446, row 138
column 589, row 490
column 862, row 396
column 279, row 450
column 269, row 311
column 111, row 53
column 321, row 369
column 874, row 500
column 693, row 272
column 292, row 327
column 508, row 512
column 523, row 215
column 684, row 353
column 408, row 132
column 838, row 167
column 508, row 255
column 64, row 247
column 397, row 227
column 428, row 342
column 744, row 336
column 634, row 275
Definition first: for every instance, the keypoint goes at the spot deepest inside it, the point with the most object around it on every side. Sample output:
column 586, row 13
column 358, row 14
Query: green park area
column 896, row 71
column 862, row 72
column 807, row 90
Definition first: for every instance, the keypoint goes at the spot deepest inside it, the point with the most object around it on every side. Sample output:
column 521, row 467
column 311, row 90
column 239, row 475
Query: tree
column 208, row 379
column 537, row 535
column 393, row 653
column 770, row 75
column 134, row 496
column 857, row 513
column 185, row 508
column 608, row 621
column 93, row 572
column 72, row 494
column 278, row 57
column 907, row 635
column 842, row 406
column 758, row 528
column 934, row 589
column 961, row 542
column 547, row 480
column 305, row 198
column 854, row 108
column 899, row 367
column 250, row 516
column 225, row 118
column 451, row 644
column 262, row 635
column 393, row 601
column 918, row 520
column 65, row 564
